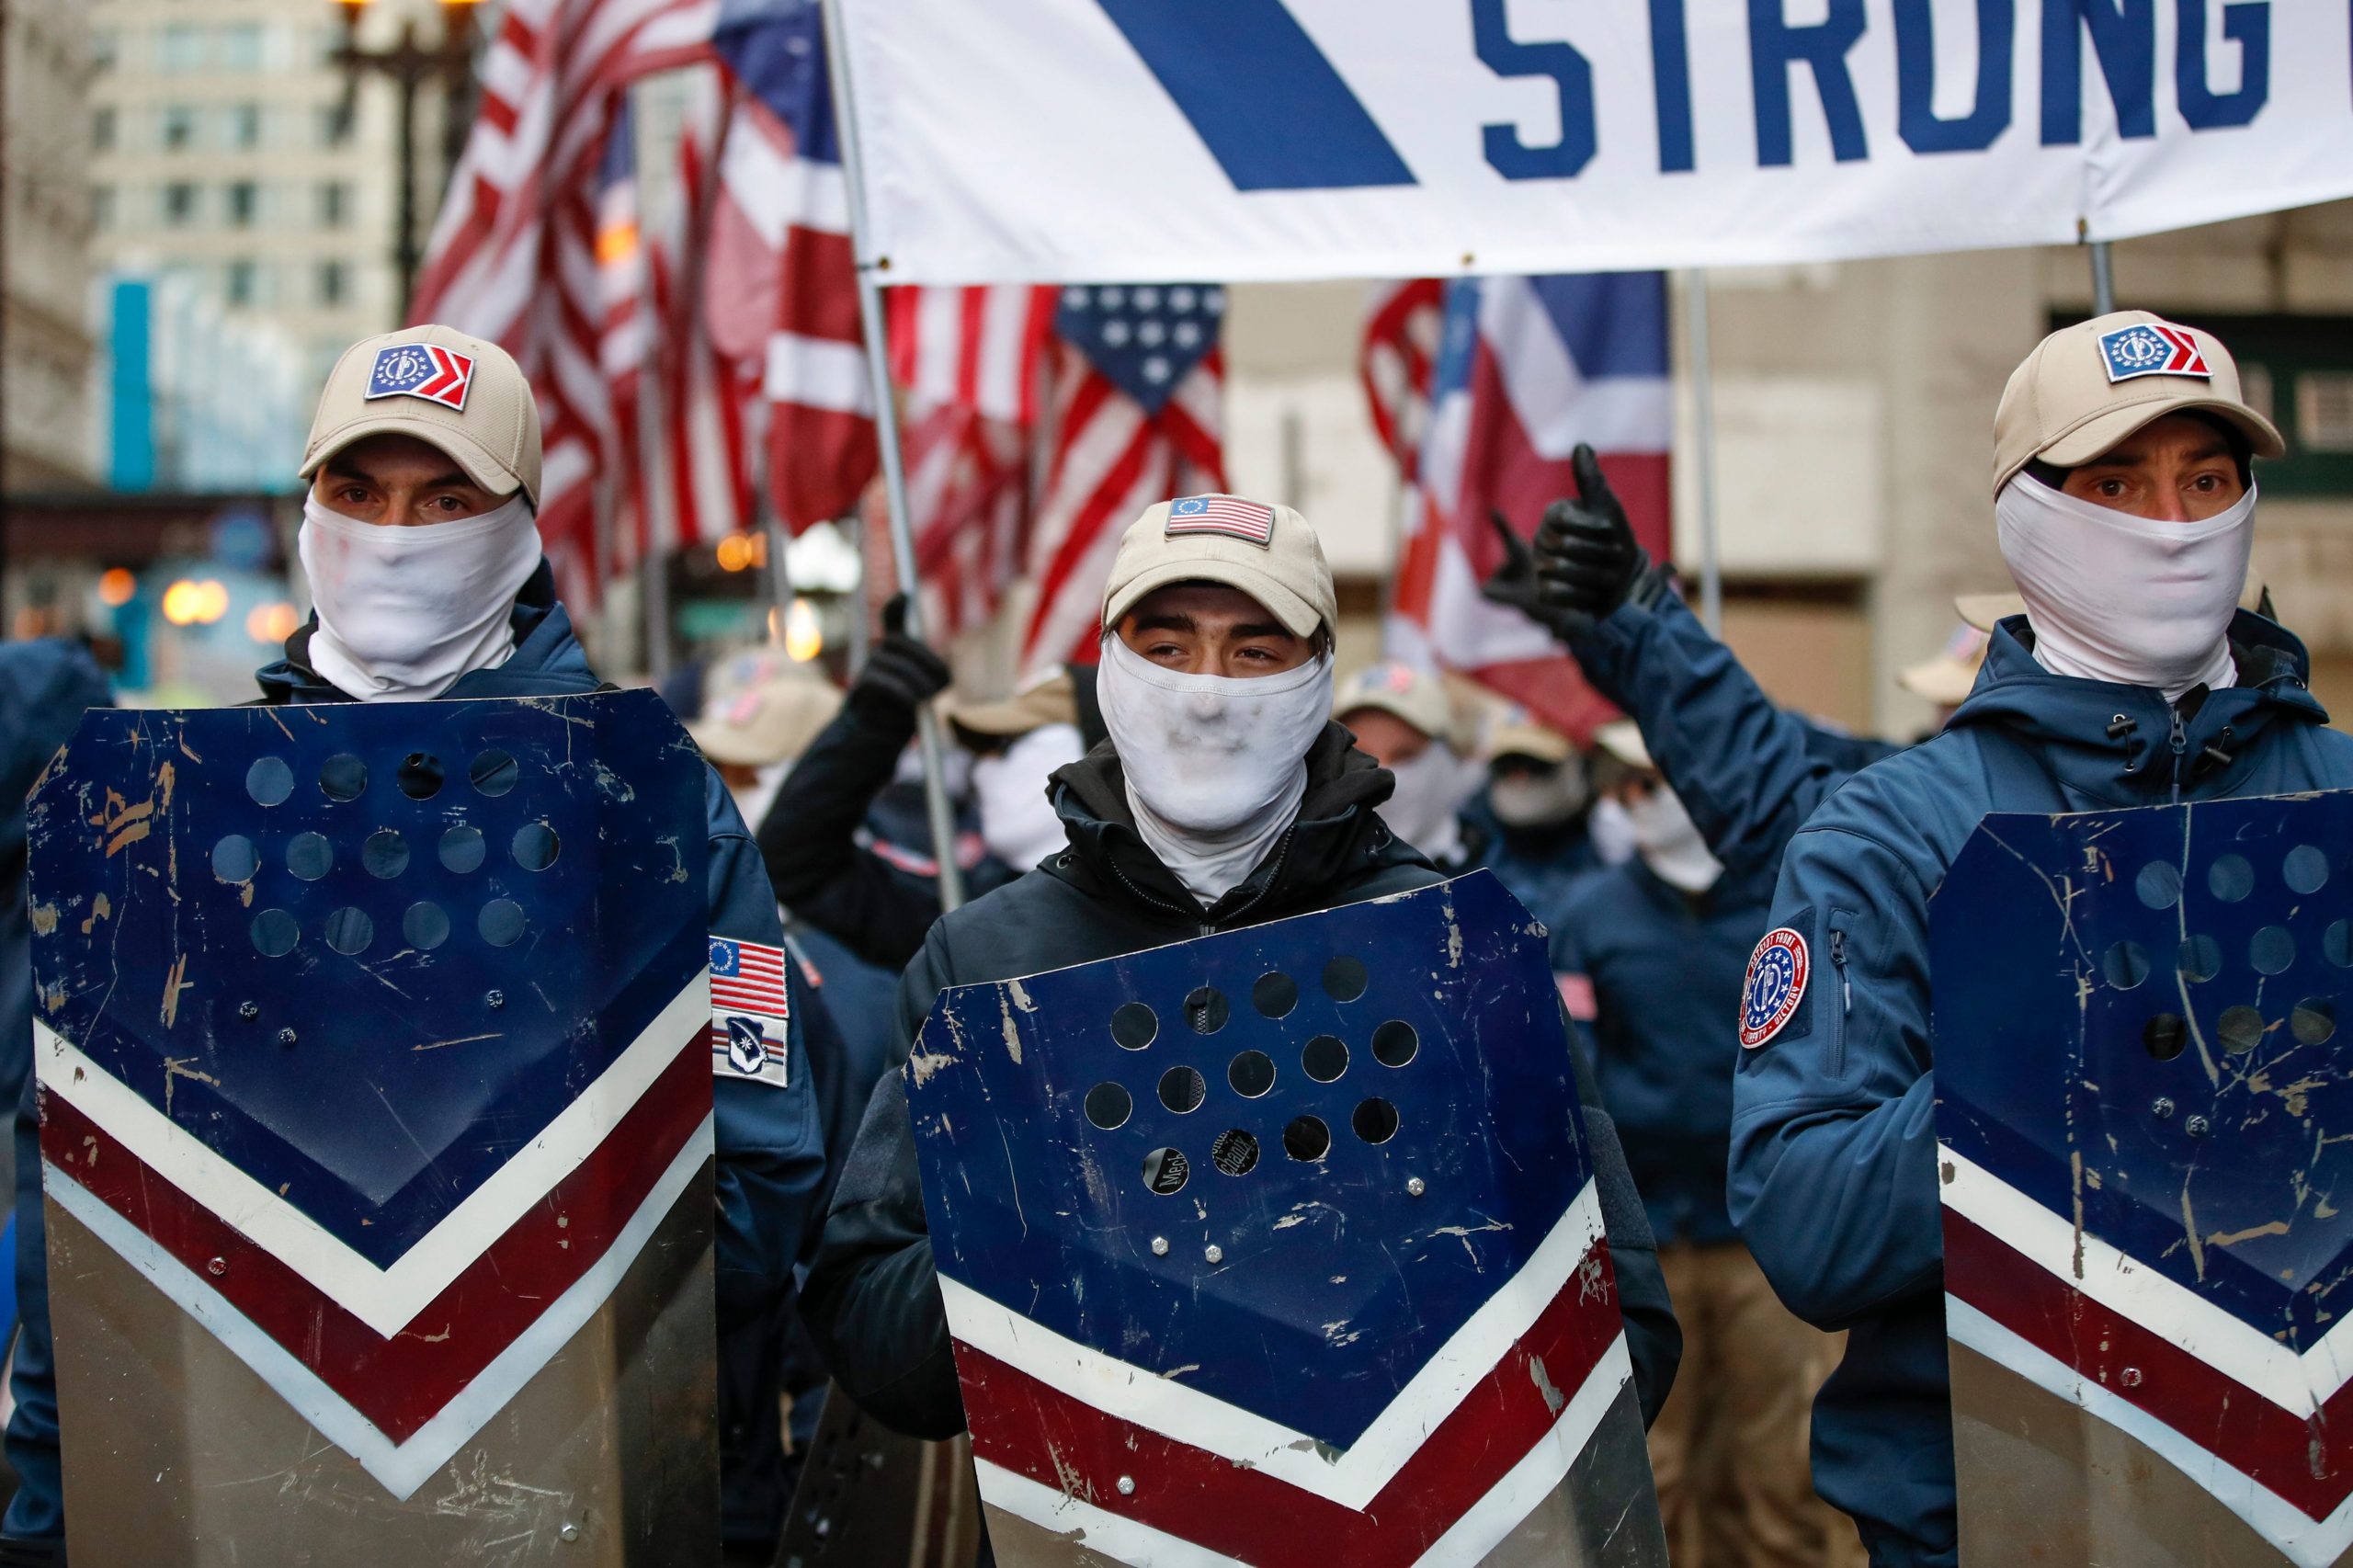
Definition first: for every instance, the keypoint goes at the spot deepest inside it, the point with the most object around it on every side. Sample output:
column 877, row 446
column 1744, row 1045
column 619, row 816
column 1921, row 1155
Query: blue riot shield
column 1283, row 1246
column 2138, row 1070
column 375, row 1046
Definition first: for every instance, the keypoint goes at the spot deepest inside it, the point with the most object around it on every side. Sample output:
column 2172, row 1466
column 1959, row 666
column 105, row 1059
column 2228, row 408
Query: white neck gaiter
column 2125, row 599
column 1670, row 842
column 1541, row 800
column 1215, row 764
column 1017, row 821
column 1611, row 830
column 405, row 611
column 1425, row 808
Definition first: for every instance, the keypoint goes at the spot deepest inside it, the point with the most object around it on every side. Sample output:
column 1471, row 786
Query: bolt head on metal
column 249, row 1011
column 1214, row 1252
column 2195, row 1126
column 286, row 1037
column 1127, row 1485
column 2161, row 1108
column 2130, row 1377
column 570, row 1532
column 217, row 1268
column 495, row 1000
column 1415, row 1186
column 1160, row 1246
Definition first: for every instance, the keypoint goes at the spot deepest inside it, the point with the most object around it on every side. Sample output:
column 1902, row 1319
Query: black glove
column 1514, row 585
column 901, row 674
column 1587, row 561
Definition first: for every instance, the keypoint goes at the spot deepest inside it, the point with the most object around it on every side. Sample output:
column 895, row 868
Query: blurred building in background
column 47, row 388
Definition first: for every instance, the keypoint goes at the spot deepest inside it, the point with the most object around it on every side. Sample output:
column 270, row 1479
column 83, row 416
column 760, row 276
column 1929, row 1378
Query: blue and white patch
column 1777, row 976
column 425, row 370
column 2150, row 348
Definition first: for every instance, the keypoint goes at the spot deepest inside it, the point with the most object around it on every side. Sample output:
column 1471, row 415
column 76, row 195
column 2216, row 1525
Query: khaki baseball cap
column 461, row 394
column 2086, row 387
column 770, row 718
column 1520, row 735
column 1622, row 738
column 1403, row 691
column 1268, row 552
column 1050, row 698
column 1948, row 679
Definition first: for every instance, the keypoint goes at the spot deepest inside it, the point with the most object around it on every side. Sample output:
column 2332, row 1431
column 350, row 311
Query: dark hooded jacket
column 1834, row 1141
column 871, row 1298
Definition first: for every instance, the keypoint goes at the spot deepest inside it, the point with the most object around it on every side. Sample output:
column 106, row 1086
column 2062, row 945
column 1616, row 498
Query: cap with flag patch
column 1267, row 552
column 2088, row 387
column 1401, row 691
column 461, row 394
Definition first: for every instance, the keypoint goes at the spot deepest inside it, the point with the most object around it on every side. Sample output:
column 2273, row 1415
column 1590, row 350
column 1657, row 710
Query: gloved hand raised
column 1587, row 561
column 901, row 674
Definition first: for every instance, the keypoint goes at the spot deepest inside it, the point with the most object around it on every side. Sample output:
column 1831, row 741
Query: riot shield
column 375, row 1049
column 2145, row 1184
column 1284, row 1245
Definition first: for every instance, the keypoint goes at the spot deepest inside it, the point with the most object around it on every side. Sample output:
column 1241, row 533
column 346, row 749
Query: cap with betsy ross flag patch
column 1268, row 552
column 461, row 394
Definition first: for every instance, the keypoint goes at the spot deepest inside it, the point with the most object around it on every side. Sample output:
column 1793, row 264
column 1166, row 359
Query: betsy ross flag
column 1227, row 515
column 1528, row 368
column 749, row 1012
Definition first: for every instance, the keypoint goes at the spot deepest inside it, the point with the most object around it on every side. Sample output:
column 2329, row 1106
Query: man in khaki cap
column 1403, row 720
column 2124, row 499
column 1226, row 797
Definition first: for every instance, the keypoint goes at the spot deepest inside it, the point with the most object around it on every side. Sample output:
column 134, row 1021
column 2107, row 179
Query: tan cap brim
column 2112, row 424
column 1299, row 617
column 464, row 449
column 728, row 744
column 1547, row 746
column 1051, row 702
column 1943, row 680
column 1622, row 738
column 1984, row 610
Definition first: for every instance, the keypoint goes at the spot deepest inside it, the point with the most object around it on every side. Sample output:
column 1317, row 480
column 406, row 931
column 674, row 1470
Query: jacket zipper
column 1210, row 928
column 2179, row 741
column 1838, row 962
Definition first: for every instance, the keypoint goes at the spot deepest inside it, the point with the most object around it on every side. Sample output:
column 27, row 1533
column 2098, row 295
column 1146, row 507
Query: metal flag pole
column 2103, row 280
column 886, row 436
column 1712, row 573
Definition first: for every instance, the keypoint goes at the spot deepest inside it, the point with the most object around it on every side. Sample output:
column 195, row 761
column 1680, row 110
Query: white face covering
column 1611, row 830
column 405, row 611
column 2126, row 599
column 1425, row 810
column 1539, row 800
column 1018, row 821
column 1669, row 843
column 1215, row 764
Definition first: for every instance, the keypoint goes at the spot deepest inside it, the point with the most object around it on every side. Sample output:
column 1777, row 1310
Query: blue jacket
column 1540, row 866
column 1666, row 968
column 1833, row 1170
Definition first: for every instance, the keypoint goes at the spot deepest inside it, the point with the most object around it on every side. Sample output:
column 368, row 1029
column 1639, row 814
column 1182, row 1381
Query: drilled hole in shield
column 1323, row 1059
column 2126, row 965
column 2229, row 878
column 1205, row 1010
column 1252, row 1073
column 2271, row 950
column 310, row 856
column 349, row 931
column 2200, row 959
column 2337, row 943
column 1134, row 1026
column 500, row 922
column 343, row 778
column 1394, row 1043
column 1375, row 1120
column 2313, row 1020
column 2158, row 885
column 1307, row 1138
column 535, row 846
column 2240, row 1029
column 2305, row 869
column 1182, row 1089
column 234, row 859
column 1345, row 979
column 1109, row 1106
column 1165, row 1171
column 268, row 781
column 420, row 776
column 274, row 933
column 2164, row 1036
column 425, row 926
column 1275, row 995
column 493, row 773
column 1236, row 1153
column 461, row 850
column 385, row 854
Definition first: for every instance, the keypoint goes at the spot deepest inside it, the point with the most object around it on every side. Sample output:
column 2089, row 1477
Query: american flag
column 968, row 500
column 978, row 347
column 1245, row 520
column 750, row 1011
column 625, row 336
column 1529, row 367
column 708, row 401
column 1137, row 420
column 1401, row 327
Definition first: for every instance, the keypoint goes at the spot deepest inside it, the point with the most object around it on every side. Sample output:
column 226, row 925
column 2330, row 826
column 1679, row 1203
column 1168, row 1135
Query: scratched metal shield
column 1283, row 1245
column 376, row 1140
column 2143, row 1108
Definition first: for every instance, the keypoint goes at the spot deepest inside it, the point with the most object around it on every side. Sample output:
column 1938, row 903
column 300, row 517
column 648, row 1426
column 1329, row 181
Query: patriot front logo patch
column 1777, row 972
column 422, row 370
column 2148, row 348
column 749, row 1014
column 1244, row 520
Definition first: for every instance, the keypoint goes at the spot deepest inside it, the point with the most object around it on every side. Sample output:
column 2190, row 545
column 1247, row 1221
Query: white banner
column 1141, row 140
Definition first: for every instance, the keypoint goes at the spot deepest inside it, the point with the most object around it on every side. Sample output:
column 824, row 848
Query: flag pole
column 886, row 436
column 1711, row 571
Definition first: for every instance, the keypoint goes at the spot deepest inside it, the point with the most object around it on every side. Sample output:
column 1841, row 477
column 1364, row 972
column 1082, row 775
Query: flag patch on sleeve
column 749, row 1012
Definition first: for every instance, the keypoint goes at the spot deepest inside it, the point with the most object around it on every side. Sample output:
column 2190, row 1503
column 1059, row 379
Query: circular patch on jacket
column 1777, row 972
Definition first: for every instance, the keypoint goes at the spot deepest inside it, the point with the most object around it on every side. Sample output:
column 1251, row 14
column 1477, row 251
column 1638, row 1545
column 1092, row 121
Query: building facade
column 48, row 351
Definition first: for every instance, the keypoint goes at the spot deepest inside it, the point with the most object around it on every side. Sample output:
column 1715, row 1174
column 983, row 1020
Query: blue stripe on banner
column 1271, row 109
column 1614, row 323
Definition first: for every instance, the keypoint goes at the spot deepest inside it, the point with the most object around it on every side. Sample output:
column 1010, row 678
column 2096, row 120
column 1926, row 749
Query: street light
column 412, row 64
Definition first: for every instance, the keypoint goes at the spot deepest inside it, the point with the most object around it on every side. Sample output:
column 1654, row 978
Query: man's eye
column 2111, row 487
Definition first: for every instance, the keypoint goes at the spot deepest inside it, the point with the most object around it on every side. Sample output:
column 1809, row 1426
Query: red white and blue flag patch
column 422, row 370
column 1777, row 972
column 2150, row 348
column 1244, row 520
column 749, row 1013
